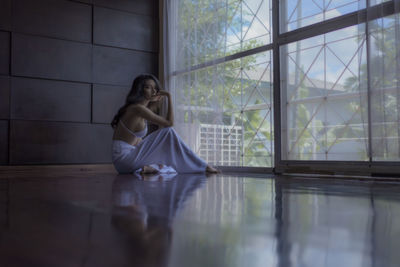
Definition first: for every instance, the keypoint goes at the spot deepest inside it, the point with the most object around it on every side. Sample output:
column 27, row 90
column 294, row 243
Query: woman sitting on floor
column 160, row 151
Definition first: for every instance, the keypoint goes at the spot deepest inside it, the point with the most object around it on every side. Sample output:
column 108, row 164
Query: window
column 295, row 14
column 340, row 92
column 223, row 84
column 332, row 67
column 324, row 102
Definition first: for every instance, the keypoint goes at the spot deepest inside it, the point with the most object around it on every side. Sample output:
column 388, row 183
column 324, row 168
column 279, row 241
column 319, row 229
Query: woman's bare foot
column 210, row 169
column 148, row 170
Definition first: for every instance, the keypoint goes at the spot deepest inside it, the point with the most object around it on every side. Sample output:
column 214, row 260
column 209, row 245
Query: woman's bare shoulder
column 138, row 109
column 134, row 108
column 133, row 114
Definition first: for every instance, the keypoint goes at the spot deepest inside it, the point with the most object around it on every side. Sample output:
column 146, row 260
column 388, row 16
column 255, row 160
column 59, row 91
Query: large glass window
column 211, row 29
column 325, row 99
column 337, row 82
column 225, row 103
column 340, row 93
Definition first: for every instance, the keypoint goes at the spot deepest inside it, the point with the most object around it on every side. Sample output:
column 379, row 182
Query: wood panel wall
column 65, row 69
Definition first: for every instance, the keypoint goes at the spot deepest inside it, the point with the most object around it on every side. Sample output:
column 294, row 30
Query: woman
column 159, row 151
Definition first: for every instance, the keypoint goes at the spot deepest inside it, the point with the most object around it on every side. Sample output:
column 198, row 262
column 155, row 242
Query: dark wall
column 65, row 68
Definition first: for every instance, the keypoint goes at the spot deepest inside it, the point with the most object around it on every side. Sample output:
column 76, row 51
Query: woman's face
column 149, row 89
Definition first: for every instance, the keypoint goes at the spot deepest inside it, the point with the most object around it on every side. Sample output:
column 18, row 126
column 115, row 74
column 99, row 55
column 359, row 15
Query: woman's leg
column 165, row 146
column 123, row 156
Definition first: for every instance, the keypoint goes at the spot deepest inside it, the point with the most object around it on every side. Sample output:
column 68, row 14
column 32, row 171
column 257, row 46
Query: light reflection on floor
column 193, row 220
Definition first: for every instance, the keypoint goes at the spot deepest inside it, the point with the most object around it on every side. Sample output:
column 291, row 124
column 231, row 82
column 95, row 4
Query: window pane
column 211, row 29
column 385, row 88
column 295, row 14
column 225, row 111
column 324, row 97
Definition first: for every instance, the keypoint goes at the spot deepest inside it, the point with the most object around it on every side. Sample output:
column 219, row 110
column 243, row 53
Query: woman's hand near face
column 156, row 98
column 163, row 92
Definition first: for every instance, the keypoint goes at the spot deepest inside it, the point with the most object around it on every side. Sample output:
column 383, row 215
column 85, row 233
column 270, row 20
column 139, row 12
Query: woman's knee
column 167, row 129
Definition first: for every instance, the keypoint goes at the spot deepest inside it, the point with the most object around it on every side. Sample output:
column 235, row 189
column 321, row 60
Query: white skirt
column 163, row 147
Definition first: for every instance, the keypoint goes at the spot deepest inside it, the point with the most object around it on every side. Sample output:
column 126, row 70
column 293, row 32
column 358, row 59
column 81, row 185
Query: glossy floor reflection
column 191, row 220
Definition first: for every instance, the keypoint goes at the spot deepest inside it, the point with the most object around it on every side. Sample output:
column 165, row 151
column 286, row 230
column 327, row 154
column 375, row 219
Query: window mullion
column 369, row 123
column 276, row 84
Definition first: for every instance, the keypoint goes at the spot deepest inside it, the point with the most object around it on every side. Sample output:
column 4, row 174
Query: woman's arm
column 170, row 113
column 148, row 114
column 154, row 106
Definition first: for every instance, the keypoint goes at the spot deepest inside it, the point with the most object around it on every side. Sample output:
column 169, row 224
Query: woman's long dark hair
column 135, row 95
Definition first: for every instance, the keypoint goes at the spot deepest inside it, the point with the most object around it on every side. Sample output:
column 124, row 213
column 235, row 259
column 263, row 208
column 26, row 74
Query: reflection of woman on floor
column 159, row 151
column 143, row 212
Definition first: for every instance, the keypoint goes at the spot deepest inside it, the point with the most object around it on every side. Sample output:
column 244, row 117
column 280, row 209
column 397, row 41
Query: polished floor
column 99, row 219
